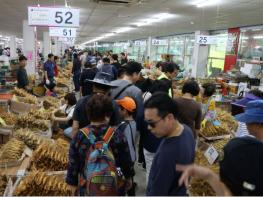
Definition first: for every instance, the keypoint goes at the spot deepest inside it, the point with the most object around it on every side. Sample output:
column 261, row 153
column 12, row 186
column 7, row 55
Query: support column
column 200, row 57
column 29, row 47
column 149, row 44
column 12, row 45
column 46, row 44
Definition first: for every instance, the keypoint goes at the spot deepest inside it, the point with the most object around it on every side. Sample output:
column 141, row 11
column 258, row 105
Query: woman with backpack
column 92, row 169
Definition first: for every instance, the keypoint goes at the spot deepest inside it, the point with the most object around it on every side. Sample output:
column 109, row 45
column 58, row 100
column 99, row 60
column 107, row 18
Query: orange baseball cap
column 127, row 103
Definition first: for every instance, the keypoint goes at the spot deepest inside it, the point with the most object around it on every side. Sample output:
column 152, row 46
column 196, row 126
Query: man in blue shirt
column 177, row 146
column 49, row 69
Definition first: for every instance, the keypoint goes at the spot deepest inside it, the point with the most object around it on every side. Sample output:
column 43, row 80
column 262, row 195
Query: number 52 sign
column 53, row 16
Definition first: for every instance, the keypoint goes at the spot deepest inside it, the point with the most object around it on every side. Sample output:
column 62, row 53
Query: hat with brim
column 253, row 113
column 102, row 78
column 244, row 101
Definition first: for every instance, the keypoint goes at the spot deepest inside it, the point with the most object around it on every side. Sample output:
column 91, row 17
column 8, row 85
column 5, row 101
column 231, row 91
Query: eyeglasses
column 153, row 124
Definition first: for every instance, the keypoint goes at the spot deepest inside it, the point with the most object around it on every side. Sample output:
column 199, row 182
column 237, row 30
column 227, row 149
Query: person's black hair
column 75, row 55
column 50, row 55
column 115, row 57
column 163, row 103
column 133, row 67
column 257, row 93
column 106, row 60
column 159, row 64
column 89, row 53
column 71, row 98
column 104, row 88
column 170, row 67
column 55, row 57
column 145, row 85
column 162, row 85
column 123, row 54
column 22, row 58
column 121, row 71
column 99, row 107
column 191, row 87
column 209, row 89
column 88, row 65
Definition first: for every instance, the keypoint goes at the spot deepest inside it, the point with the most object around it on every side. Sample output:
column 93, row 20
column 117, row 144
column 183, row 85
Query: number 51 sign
column 53, row 17
column 62, row 32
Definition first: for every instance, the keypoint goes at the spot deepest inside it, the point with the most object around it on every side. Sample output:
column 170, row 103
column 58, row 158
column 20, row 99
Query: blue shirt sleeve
column 162, row 176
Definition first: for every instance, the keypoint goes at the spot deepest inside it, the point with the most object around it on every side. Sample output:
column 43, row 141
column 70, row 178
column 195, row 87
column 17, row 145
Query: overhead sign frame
column 63, row 32
column 53, row 16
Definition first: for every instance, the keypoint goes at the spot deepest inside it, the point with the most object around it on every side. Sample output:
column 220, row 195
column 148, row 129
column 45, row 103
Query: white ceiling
column 98, row 19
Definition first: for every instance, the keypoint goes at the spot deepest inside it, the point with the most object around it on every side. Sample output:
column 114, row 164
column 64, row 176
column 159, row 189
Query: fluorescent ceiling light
column 162, row 16
column 258, row 37
column 205, row 3
column 123, row 29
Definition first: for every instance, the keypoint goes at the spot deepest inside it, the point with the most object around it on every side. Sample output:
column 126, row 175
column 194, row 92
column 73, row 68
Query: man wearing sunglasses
column 177, row 146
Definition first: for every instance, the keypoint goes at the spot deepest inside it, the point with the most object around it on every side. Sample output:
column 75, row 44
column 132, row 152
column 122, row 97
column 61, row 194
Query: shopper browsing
column 241, row 167
column 127, row 109
column 49, row 70
column 76, row 70
column 239, row 107
column 178, row 146
column 169, row 72
column 67, row 109
column 21, row 75
column 115, row 61
column 81, row 169
column 108, row 68
column 189, row 111
column 208, row 103
column 56, row 61
column 101, row 86
column 124, row 59
column 51, row 90
column 88, row 73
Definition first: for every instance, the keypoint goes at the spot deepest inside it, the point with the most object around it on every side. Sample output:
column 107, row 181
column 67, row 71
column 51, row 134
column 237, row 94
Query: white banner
column 159, row 42
column 140, row 43
column 121, row 44
column 204, row 39
column 53, row 16
column 66, row 40
column 62, row 32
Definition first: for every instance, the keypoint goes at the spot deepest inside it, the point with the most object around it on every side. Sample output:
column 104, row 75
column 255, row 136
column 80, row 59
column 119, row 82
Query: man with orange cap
column 127, row 109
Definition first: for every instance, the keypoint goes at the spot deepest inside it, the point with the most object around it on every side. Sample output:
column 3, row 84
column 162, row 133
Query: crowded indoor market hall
column 131, row 98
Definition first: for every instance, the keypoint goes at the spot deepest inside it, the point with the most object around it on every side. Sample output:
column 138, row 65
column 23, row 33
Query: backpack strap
column 122, row 90
column 108, row 135
column 88, row 134
column 133, row 144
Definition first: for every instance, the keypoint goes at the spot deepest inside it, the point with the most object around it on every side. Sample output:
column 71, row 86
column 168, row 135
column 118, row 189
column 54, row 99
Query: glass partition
column 217, row 52
column 251, row 45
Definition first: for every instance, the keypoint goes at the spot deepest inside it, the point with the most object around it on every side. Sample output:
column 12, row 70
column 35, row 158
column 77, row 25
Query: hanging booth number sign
column 62, row 32
column 53, row 17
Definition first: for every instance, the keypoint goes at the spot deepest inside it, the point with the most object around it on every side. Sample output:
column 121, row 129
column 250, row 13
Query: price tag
column 21, row 172
column 2, row 122
column 62, row 32
column 28, row 152
column 204, row 39
column 53, row 16
column 211, row 154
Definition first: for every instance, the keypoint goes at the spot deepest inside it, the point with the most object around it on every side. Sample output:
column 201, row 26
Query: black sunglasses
column 153, row 124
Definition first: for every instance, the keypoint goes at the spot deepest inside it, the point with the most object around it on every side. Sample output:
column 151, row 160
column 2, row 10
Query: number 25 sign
column 53, row 17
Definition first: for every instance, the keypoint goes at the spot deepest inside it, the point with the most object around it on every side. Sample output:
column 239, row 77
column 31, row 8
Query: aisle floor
column 140, row 179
